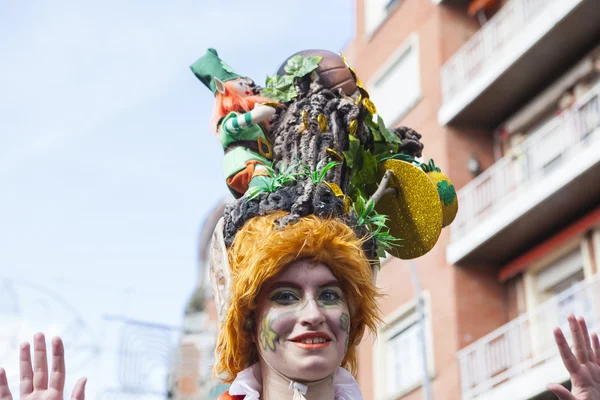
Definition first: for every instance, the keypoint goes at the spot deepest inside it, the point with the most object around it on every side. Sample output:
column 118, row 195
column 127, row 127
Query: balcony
column 550, row 179
column 515, row 54
column 517, row 360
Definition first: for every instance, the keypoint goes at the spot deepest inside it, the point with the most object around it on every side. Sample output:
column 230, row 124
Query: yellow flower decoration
column 268, row 337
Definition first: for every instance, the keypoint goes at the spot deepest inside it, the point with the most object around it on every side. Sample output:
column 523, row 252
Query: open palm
column 583, row 366
column 34, row 380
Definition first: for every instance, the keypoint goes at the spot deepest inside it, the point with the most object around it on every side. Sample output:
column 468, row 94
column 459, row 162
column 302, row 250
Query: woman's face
column 303, row 322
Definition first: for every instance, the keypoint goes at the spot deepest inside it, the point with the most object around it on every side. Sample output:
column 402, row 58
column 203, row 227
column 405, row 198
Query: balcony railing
column 487, row 46
column 526, row 341
column 551, row 146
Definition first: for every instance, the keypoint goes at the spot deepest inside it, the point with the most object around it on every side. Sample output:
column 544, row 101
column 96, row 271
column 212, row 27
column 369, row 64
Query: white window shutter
column 375, row 13
column 563, row 268
column 397, row 87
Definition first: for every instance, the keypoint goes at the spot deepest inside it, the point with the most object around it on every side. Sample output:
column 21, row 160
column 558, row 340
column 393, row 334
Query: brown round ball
column 332, row 70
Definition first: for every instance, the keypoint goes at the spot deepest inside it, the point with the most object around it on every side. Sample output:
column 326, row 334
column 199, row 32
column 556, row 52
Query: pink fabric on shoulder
column 248, row 383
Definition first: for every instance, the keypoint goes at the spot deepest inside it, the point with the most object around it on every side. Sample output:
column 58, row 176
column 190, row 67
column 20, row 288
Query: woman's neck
column 276, row 387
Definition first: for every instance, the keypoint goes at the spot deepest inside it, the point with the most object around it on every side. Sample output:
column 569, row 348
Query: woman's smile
column 312, row 340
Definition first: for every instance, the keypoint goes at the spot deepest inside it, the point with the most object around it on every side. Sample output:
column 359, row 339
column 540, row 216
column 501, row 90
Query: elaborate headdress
column 342, row 189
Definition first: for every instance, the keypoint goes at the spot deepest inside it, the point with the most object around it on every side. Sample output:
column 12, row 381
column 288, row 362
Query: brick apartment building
column 507, row 97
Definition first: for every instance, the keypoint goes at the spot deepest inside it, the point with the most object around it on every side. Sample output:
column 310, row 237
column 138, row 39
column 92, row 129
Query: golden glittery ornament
column 334, row 154
column 270, row 104
column 369, row 106
column 414, row 211
column 335, row 189
column 323, row 125
column 353, row 127
column 338, row 193
column 448, row 197
column 305, row 120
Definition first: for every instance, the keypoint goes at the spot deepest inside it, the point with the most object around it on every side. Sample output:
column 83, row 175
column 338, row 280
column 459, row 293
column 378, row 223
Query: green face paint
column 268, row 337
column 345, row 322
column 345, row 326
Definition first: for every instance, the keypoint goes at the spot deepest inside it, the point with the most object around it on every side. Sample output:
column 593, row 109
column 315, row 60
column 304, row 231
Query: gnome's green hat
column 210, row 66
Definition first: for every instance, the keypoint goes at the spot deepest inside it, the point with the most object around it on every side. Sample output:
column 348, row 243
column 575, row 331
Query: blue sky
column 107, row 167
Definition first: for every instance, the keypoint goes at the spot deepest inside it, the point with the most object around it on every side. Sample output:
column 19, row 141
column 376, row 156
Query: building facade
column 506, row 94
column 191, row 364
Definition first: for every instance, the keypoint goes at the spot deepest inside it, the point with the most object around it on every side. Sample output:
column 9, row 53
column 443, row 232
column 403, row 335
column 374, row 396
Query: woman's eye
column 330, row 296
column 284, row 297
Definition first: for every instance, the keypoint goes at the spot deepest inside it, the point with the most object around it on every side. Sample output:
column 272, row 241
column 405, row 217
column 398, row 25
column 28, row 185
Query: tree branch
column 383, row 188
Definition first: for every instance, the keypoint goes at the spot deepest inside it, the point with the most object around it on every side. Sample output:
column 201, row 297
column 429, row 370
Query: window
column 560, row 274
column 396, row 88
column 554, row 290
column 376, row 11
column 398, row 356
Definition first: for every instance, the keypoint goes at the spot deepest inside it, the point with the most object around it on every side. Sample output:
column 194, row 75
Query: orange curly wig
column 260, row 252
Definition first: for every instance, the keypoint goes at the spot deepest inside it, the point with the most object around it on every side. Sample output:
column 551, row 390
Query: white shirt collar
column 249, row 383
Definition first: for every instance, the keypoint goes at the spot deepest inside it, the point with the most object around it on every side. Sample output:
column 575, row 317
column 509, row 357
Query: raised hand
column 584, row 365
column 35, row 382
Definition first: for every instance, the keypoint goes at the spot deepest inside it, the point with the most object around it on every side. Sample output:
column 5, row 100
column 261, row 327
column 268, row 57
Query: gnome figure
column 240, row 120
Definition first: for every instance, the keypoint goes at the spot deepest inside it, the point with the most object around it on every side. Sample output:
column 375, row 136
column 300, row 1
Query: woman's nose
column 311, row 314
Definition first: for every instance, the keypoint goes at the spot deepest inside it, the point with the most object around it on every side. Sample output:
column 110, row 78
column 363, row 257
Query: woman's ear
column 219, row 85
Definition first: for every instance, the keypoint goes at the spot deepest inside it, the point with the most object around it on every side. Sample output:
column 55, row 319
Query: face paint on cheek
column 345, row 327
column 267, row 335
column 269, row 332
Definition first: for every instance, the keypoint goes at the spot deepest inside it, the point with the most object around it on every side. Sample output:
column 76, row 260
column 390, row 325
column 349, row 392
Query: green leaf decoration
column 299, row 66
column 363, row 168
column 272, row 183
column 281, row 82
column 280, row 88
column 370, row 207
column 386, row 143
column 323, row 171
column 430, row 166
column 374, row 128
column 318, row 175
column 384, row 150
column 359, row 208
column 350, row 155
column 388, row 136
column 376, row 223
column 365, row 171
column 446, row 192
